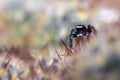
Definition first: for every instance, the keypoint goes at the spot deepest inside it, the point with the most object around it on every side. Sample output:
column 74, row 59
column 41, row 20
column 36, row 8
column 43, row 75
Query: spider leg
column 71, row 42
column 88, row 36
column 72, row 35
column 94, row 30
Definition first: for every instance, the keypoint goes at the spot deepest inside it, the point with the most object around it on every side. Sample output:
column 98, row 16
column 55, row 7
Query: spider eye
column 79, row 26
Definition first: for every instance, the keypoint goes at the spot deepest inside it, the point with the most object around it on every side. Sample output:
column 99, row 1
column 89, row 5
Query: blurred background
column 30, row 31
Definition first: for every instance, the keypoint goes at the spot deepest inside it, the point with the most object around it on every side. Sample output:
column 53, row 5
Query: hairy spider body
column 81, row 31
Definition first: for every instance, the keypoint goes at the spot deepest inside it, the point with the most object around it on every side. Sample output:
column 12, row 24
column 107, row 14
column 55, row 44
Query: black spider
column 81, row 31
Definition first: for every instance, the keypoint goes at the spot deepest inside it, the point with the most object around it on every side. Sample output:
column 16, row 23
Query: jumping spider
column 81, row 31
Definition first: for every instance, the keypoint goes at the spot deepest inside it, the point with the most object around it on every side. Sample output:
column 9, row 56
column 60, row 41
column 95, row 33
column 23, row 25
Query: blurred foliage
column 30, row 32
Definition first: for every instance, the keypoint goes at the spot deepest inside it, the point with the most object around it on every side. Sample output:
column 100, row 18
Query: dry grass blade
column 58, row 55
column 69, row 52
column 5, row 64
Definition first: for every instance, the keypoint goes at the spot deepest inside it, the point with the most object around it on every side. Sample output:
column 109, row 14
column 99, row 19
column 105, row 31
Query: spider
column 81, row 31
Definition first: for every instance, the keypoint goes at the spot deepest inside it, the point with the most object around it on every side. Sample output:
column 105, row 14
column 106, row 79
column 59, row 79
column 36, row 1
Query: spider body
column 81, row 31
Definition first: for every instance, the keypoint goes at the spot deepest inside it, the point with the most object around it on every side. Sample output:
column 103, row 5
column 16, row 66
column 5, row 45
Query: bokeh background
column 30, row 31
